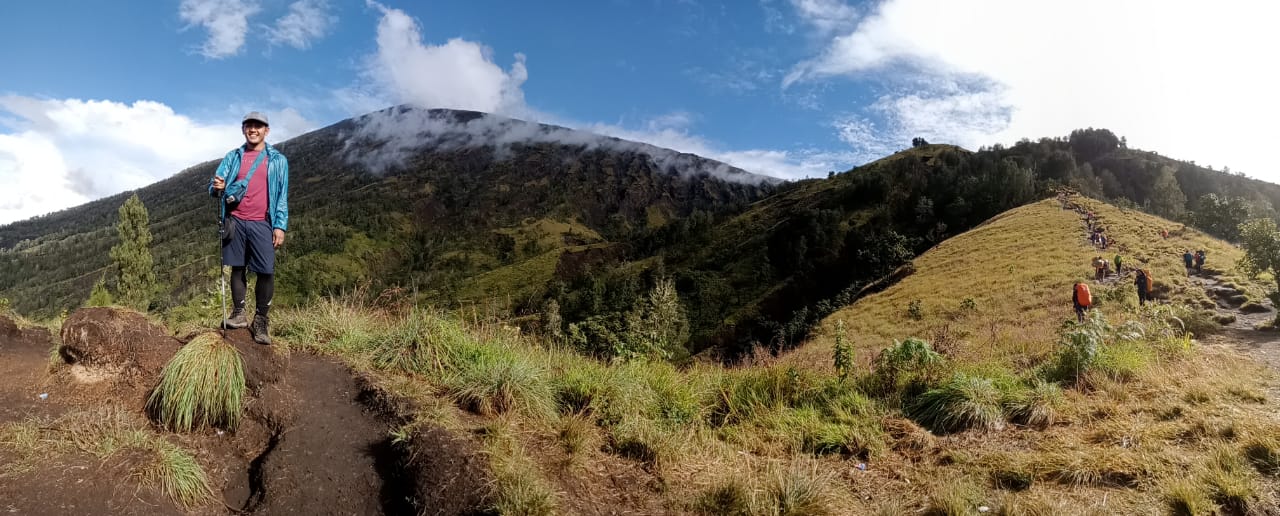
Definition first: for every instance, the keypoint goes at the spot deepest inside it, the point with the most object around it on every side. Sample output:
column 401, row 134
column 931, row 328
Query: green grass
column 202, row 385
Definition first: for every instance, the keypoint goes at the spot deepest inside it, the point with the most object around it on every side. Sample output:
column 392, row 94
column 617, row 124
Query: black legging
column 262, row 292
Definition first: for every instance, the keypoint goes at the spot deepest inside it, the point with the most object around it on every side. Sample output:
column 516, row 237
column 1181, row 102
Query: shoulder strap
column 256, row 162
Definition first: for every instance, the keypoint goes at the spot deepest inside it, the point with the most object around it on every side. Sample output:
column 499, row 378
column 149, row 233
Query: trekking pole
column 222, row 280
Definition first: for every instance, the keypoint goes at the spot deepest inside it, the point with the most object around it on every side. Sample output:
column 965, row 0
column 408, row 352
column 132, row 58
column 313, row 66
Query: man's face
column 254, row 132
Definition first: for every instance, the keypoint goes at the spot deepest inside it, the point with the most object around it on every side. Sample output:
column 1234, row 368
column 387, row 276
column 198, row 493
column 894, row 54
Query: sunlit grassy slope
column 1018, row 268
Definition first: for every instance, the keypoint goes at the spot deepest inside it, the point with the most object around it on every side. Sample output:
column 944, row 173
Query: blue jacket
column 277, row 184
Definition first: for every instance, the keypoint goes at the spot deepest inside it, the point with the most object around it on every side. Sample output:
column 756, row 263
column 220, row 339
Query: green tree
column 658, row 325
column 1261, row 242
column 1221, row 216
column 131, row 256
column 100, row 296
column 1167, row 199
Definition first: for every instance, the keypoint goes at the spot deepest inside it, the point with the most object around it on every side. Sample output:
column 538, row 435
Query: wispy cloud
column 226, row 20
column 306, row 21
column 1164, row 74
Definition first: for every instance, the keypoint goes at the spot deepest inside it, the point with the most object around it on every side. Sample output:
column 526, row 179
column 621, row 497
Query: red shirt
column 254, row 204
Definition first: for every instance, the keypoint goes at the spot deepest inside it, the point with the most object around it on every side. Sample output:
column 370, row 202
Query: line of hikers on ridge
column 1082, row 299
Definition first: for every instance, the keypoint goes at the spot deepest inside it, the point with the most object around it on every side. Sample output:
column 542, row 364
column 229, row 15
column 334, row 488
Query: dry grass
column 783, row 437
column 105, row 433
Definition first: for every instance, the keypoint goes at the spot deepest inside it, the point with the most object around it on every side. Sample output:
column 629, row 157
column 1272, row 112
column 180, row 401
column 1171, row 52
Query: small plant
column 202, row 385
column 969, row 305
column 962, row 403
column 915, row 311
column 843, row 354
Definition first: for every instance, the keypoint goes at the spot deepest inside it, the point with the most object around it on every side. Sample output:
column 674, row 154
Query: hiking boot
column 259, row 330
column 236, row 321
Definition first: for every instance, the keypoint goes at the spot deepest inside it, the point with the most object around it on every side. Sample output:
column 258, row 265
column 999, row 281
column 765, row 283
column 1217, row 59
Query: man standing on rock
column 253, row 184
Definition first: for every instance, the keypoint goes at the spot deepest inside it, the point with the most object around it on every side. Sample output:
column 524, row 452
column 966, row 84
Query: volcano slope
column 1168, row 411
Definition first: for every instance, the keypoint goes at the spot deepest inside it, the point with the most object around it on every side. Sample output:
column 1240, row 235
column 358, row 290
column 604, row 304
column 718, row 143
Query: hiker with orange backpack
column 1081, row 299
column 1143, row 283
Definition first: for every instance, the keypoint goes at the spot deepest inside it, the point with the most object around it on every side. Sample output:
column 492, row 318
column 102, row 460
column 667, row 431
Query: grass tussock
column 965, row 402
column 519, row 487
column 802, row 488
column 202, row 385
column 1037, row 406
column 1186, row 497
column 959, row 497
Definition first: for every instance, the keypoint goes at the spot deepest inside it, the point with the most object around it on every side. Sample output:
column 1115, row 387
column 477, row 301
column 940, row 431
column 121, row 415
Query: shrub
column 842, row 355
column 906, row 362
column 203, row 384
column 962, row 403
column 915, row 310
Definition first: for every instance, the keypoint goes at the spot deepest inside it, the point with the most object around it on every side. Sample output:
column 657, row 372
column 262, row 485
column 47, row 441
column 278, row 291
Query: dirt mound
column 24, row 354
column 14, row 337
column 445, row 473
column 116, row 338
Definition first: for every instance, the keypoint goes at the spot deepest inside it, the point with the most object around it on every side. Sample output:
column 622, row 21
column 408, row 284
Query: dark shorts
column 250, row 246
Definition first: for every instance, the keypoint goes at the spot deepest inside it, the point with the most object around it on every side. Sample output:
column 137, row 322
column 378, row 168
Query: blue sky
column 102, row 97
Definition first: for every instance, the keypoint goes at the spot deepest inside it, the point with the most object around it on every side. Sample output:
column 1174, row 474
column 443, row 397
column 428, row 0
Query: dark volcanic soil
column 309, row 443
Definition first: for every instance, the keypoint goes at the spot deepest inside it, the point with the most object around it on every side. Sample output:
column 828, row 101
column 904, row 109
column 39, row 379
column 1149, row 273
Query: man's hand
column 219, row 183
column 277, row 238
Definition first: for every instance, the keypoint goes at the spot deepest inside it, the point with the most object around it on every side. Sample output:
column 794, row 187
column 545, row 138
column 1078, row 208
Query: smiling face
column 255, row 133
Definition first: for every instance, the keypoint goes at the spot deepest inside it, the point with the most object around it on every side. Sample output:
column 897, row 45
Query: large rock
column 118, row 339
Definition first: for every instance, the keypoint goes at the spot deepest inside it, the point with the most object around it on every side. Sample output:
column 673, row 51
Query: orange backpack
column 1082, row 295
column 1147, row 274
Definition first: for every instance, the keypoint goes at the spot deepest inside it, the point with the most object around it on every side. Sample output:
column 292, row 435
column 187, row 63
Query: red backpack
column 1082, row 295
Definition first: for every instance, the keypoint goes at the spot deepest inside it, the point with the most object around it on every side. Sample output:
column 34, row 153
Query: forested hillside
column 464, row 209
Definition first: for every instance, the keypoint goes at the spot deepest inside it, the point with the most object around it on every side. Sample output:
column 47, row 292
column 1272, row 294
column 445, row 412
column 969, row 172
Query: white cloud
column 1181, row 78
column 783, row 164
column 307, row 21
column 226, row 20
column 459, row 74
column 60, row 153
column 826, row 16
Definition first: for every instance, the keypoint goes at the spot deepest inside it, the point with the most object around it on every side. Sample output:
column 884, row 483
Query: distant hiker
column 1164, row 233
column 1188, row 260
column 1099, row 268
column 1119, row 271
column 1143, row 283
column 1199, row 261
column 253, row 184
column 1102, row 240
column 1081, row 298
